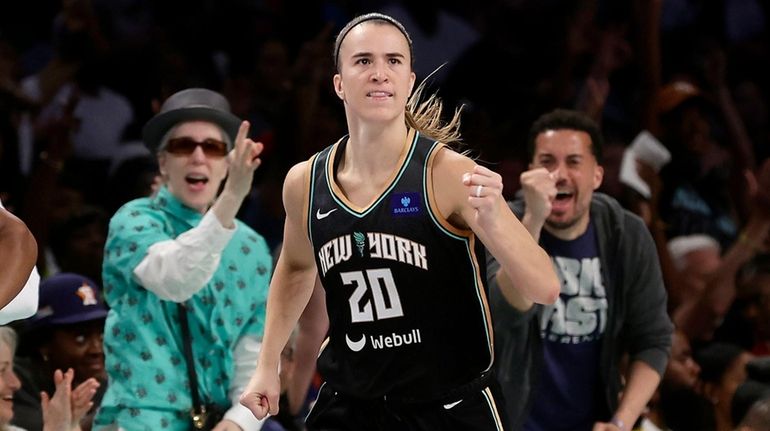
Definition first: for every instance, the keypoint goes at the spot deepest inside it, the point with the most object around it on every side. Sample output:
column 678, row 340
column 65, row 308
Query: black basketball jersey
column 405, row 290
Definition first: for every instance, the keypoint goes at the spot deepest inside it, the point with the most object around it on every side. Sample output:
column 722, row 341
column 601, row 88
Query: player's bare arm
column 290, row 290
column 471, row 196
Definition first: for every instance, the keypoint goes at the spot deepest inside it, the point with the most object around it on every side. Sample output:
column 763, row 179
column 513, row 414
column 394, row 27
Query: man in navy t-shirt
column 559, row 365
column 571, row 330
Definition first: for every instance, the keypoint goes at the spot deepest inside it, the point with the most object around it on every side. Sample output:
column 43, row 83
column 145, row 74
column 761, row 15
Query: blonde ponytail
column 425, row 117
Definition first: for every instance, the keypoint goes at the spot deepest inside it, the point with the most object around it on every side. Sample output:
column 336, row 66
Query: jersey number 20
column 380, row 282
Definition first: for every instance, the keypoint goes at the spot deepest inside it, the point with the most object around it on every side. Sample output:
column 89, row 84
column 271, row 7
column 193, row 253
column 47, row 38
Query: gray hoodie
column 638, row 323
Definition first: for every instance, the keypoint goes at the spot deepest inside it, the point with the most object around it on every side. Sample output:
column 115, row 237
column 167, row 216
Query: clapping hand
column 63, row 410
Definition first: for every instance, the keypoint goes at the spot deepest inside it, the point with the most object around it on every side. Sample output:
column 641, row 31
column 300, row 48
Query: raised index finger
column 240, row 139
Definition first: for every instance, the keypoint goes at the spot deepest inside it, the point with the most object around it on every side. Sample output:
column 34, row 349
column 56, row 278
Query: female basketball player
column 390, row 220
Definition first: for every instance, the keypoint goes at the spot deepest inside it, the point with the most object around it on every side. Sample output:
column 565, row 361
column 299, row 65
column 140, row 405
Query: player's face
column 567, row 153
column 375, row 75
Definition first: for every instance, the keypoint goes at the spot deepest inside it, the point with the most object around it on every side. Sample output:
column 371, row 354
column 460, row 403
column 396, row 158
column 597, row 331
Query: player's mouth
column 379, row 94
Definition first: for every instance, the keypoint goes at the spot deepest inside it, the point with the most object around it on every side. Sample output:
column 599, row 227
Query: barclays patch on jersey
column 405, row 204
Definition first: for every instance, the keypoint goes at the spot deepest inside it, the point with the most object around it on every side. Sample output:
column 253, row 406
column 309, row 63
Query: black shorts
column 475, row 411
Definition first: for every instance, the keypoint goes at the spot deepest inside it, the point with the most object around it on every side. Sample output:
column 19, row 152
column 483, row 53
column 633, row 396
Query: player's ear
column 337, row 81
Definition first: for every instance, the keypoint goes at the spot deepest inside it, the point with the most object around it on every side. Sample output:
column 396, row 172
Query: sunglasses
column 185, row 146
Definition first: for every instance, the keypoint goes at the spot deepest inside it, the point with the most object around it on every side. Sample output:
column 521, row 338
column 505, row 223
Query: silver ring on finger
column 478, row 190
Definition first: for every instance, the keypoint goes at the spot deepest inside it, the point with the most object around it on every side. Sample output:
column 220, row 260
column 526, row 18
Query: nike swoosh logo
column 450, row 405
column 355, row 346
column 320, row 216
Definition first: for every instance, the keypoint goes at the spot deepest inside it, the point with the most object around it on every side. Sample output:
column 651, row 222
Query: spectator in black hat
column 185, row 281
column 65, row 333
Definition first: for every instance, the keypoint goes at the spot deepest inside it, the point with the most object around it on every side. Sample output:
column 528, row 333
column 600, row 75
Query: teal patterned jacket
column 148, row 384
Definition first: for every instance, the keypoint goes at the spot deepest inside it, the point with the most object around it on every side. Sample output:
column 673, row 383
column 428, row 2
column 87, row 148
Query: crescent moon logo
column 355, row 346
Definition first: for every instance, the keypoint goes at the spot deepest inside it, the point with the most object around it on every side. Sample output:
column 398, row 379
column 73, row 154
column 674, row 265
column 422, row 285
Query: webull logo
column 385, row 341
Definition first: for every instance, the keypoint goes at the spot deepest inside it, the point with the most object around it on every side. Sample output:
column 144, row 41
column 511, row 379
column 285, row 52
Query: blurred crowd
column 79, row 79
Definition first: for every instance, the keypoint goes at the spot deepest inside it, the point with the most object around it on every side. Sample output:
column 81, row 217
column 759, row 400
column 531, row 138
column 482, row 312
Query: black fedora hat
column 190, row 105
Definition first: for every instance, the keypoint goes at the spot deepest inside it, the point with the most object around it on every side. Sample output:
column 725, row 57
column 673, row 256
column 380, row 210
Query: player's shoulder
column 299, row 174
column 448, row 161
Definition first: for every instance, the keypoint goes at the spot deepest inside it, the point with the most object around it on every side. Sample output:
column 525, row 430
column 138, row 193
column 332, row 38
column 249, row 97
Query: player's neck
column 375, row 148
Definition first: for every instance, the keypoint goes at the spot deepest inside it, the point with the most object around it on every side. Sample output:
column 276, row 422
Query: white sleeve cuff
column 209, row 232
column 176, row 269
